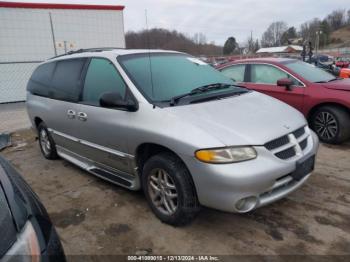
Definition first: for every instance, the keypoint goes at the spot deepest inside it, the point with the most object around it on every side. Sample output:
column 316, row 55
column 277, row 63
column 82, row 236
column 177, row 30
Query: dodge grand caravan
column 172, row 125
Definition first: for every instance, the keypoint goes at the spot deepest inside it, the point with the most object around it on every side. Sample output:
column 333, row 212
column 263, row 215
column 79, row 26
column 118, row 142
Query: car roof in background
column 273, row 60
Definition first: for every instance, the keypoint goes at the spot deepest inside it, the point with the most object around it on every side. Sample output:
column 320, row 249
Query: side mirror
column 115, row 100
column 286, row 82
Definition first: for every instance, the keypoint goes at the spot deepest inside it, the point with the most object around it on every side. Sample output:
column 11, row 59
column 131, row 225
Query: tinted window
column 267, row 74
column 39, row 83
column 101, row 77
column 236, row 72
column 162, row 76
column 66, row 80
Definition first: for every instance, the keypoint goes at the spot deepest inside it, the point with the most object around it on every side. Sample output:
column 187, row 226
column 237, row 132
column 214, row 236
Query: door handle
column 71, row 114
column 82, row 116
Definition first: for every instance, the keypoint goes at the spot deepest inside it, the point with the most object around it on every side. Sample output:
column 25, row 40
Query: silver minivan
column 172, row 125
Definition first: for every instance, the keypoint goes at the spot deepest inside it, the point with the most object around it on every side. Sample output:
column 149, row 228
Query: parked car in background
column 172, row 125
column 323, row 98
column 342, row 62
column 320, row 58
column 344, row 72
column 27, row 233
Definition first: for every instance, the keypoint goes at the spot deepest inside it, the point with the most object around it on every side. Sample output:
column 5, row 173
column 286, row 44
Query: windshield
column 172, row 74
column 309, row 72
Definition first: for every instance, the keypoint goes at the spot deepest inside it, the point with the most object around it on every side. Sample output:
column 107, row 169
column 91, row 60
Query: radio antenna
column 149, row 54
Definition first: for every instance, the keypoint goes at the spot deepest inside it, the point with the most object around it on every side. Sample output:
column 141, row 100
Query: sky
column 217, row 19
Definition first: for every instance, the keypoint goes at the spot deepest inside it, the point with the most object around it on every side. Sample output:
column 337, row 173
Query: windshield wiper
column 198, row 90
column 331, row 80
column 334, row 79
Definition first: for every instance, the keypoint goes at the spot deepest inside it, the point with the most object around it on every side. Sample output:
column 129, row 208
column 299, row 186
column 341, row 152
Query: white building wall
column 26, row 39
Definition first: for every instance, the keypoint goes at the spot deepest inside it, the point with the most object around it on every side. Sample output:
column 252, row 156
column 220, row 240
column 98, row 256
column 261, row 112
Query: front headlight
column 226, row 155
column 26, row 248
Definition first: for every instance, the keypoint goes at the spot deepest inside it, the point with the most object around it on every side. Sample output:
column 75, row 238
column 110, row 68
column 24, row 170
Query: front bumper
column 263, row 180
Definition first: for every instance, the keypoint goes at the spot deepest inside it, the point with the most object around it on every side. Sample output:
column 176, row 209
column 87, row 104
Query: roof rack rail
column 84, row 50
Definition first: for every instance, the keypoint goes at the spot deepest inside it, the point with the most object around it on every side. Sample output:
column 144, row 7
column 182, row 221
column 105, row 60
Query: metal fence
column 32, row 34
column 13, row 79
column 343, row 51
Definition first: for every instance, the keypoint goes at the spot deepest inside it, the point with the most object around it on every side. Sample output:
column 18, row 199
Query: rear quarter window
column 39, row 83
column 66, row 81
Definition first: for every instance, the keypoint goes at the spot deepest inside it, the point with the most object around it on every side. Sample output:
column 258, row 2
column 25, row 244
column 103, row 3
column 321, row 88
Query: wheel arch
column 37, row 121
column 334, row 104
column 146, row 150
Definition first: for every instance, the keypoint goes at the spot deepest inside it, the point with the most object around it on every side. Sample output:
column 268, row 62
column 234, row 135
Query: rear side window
column 66, row 81
column 235, row 72
column 39, row 83
column 102, row 77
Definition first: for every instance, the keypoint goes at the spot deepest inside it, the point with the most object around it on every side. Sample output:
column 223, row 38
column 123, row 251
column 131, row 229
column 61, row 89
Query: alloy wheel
column 45, row 142
column 163, row 191
column 326, row 125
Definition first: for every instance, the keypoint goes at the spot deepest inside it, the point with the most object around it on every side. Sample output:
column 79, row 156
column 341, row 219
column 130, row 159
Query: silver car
column 172, row 125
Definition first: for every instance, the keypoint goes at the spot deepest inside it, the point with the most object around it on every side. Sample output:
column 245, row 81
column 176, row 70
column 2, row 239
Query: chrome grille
column 290, row 145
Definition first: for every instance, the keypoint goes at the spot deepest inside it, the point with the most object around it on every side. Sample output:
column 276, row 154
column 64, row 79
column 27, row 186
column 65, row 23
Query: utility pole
column 251, row 47
column 53, row 34
column 317, row 42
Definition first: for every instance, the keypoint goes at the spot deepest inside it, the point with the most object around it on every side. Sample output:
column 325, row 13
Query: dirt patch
column 67, row 218
column 117, row 229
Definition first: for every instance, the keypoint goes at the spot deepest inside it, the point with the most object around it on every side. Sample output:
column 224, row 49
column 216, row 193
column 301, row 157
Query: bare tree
column 252, row 45
column 172, row 40
column 336, row 19
column 272, row 36
column 309, row 29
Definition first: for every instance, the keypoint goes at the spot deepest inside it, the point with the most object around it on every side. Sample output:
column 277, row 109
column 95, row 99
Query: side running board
column 110, row 176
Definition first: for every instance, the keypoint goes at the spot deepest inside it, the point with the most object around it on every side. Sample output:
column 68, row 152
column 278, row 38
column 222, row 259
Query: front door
column 263, row 78
column 104, row 131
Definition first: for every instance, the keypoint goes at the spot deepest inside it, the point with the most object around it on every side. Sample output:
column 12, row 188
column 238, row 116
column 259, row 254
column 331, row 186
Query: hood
column 343, row 84
column 248, row 119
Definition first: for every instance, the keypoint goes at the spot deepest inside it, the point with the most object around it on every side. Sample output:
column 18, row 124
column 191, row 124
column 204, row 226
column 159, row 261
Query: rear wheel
column 332, row 124
column 46, row 143
column 169, row 189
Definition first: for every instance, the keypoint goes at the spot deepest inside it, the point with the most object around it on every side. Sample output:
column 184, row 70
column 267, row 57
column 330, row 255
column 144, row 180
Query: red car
column 342, row 62
column 322, row 98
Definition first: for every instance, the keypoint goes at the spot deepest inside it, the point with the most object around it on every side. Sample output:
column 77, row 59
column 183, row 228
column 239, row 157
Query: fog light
column 246, row 204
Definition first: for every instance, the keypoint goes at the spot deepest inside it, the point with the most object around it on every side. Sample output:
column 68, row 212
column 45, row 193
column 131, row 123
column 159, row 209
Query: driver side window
column 101, row 77
column 267, row 74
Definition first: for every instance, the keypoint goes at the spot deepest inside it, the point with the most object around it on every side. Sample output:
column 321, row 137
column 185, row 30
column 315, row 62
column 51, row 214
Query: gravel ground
column 95, row 217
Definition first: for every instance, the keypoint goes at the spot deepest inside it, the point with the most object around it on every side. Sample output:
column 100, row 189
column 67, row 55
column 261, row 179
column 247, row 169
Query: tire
column 46, row 143
column 331, row 124
column 175, row 180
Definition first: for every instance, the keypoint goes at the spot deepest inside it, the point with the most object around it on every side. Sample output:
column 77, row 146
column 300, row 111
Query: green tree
column 230, row 46
column 290, row 33
column 326, row 31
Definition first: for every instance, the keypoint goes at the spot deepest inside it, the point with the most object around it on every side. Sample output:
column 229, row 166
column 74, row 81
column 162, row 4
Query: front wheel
column 169, row 189
column 331, row 124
